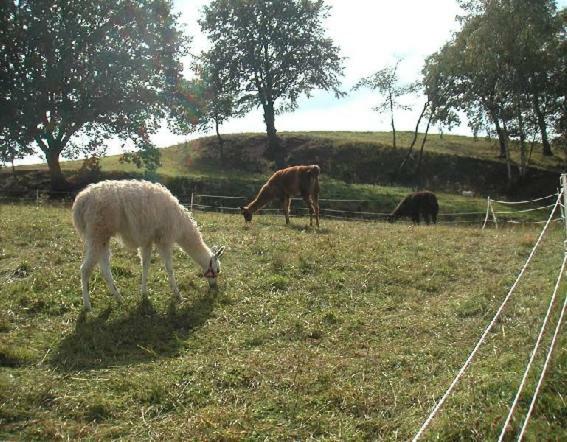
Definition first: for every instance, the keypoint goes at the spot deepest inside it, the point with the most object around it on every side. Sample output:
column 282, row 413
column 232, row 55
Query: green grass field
column 351, row 332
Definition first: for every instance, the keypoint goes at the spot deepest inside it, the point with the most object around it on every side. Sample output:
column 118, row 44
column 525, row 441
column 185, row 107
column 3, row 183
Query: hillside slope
column 352, row 163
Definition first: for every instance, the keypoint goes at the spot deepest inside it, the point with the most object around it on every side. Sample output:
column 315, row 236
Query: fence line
column 525, row 202
column 327, row 212
column 524, row 210
column 533, row 353
column 543, row 370
column 486, row 331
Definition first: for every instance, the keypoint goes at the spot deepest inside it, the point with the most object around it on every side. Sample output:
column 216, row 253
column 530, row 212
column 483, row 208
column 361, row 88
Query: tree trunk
column 274, row 150
column 393, row 126
column 415, row 133
column 504, row 132
column 501, row 139
column 523, row 157
column 58, row 181
column 542, row 127
column 221, row 143
column 418, row 173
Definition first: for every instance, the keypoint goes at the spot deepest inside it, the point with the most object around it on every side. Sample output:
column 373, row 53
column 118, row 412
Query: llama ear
column 218, row 251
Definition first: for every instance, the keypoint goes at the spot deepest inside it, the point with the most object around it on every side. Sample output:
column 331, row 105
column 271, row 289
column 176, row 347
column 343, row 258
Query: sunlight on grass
column 347, row 333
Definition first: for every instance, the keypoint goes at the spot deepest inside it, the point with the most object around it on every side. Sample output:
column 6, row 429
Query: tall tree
column 207, row 101
column 275, row 51
column 82, row 70
column 387, row 83
column 522, row 37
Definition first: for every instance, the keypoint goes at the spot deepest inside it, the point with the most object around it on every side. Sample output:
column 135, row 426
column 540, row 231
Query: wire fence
column 482, row 338
column 331, row 208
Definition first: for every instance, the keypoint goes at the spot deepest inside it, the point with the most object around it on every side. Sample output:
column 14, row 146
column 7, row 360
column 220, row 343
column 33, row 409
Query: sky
column 371, row 34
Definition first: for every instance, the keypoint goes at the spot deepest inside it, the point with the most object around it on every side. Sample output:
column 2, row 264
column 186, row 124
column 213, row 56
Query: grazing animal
column 283, row 185
column 416, row 205
column 141, row 214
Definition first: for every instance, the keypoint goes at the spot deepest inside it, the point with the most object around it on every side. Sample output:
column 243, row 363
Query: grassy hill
column 347, row 333
column 355, row 165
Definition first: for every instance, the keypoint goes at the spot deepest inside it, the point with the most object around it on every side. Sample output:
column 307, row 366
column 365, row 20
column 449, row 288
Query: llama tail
column 79, row 208
column 315, row 171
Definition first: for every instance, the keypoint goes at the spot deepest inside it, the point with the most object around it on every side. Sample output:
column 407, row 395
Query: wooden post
column 191, row 205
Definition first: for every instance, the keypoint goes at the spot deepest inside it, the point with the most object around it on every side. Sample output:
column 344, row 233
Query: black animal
column 415, row 205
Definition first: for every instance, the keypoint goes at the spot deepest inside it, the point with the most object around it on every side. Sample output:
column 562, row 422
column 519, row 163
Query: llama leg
column 145, row 256
column 165, row 253
column 285, row 206
column 104, row 261
column 310, row 206
column 89, row 262
column 316, row 204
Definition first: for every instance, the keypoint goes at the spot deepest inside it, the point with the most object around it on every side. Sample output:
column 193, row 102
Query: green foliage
column 350, row 332
column 504, row 68
column 386, row 82
column 272, row 52
column 76, row 69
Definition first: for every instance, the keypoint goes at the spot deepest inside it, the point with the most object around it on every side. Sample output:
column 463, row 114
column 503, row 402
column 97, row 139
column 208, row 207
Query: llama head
column 247, row 213
column 214, row 266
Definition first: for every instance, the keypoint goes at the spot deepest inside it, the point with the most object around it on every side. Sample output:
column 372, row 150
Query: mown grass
column 347, row 333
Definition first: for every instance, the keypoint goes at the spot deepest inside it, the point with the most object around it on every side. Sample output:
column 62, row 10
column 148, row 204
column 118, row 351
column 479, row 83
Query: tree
column 207, row 101
column 274, row 51
column 76, row 70
column 386, row 81
column 11, row 150
column 522, row 38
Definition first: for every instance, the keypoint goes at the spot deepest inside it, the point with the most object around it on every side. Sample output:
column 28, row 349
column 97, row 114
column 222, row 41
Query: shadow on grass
column 142, row 334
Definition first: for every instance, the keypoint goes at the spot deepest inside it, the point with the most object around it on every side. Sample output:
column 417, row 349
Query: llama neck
column 192, row 243
column 264, row 197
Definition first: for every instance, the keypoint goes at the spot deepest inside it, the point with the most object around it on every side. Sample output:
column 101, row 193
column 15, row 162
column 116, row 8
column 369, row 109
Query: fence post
column 191, row 206
column 487, row 212
column 37, row 196
column 493, row 215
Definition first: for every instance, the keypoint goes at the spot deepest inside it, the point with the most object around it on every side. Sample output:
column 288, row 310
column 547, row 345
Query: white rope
column 526, row 210
column 536, row 346
column 543, row 370
column 460, row 213
column 510, row 221
column 220, row 196
column 486, row 331
column 525, row 202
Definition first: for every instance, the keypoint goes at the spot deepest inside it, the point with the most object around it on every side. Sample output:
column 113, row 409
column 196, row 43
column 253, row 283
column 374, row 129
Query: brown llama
column 283, row 185
column 415, row 205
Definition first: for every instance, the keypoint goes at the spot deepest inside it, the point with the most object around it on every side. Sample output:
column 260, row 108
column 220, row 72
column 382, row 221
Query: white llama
column 141, row 214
